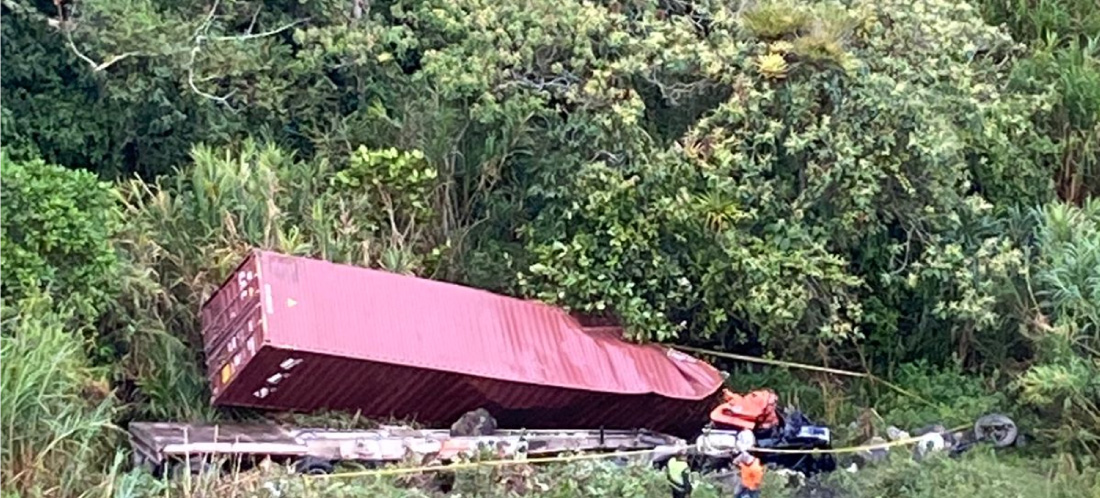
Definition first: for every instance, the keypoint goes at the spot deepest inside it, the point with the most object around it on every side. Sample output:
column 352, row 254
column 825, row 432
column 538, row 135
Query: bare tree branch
column 258, row 35
column 674, row 91
column 197, row 39
column 200, row 38
column 359, row 8
column 72, row 45
column 563, row 82
column 107, row 63
column 206, row 22
column 255, row 15
column 66, row 27
column 224, row 99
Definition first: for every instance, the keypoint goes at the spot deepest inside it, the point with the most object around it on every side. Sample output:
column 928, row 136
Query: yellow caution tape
column 855, row 449
column 484, row 463
column 600, row 456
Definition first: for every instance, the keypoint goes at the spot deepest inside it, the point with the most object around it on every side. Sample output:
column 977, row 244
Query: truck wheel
column 997, row 428
column 313, row 466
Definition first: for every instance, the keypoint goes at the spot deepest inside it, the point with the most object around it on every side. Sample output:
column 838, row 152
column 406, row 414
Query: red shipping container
column 300, row 334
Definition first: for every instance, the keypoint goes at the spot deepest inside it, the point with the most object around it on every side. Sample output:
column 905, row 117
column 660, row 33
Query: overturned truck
column 294, row 334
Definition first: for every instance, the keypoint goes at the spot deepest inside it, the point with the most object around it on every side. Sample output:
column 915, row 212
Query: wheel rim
column 999, row 429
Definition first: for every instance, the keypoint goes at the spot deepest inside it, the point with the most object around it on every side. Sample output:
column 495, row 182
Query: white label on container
column 290, row 363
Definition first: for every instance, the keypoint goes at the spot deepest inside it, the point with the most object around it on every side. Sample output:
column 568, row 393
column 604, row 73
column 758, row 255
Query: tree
column 848, row 164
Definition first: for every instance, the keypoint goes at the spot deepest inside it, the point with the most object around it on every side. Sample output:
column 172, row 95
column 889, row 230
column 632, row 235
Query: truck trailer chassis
column 173, row 448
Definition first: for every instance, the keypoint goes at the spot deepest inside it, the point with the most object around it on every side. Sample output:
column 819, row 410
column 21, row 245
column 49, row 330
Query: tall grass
column 1065, row 38
column 572, row 480
column 1035, row 19
column 56, row 409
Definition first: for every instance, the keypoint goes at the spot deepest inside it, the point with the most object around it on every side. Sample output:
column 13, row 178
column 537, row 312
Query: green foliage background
column 902, row 187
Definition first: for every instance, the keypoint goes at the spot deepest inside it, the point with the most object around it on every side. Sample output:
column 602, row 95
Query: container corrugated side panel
column 233, row 324
column 377, row 316
column 283, row 379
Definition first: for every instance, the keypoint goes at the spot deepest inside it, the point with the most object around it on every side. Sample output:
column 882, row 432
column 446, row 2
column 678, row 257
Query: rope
column 766, row 361
column 803, row 366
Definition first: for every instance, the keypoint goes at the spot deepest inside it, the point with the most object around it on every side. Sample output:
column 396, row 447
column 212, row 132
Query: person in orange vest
column 752, row 470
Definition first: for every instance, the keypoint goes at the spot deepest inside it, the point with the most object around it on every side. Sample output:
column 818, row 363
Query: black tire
column 997, row 428
column 312, row 465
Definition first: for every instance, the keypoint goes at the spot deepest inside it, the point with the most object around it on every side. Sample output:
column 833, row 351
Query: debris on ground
column 476, row 423
column 771, row 428
column 895, row 434
column 929, row 443
column 871, row 456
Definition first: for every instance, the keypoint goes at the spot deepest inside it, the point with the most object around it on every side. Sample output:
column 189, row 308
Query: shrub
column 770, row 20
column 859, row 165
column 1064, row 381
column 1071, row 72
column 944, row 396
column 1032, row 20
column 57, row 229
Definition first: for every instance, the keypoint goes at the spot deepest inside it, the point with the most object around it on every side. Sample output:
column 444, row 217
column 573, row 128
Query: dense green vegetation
column 907, row 188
